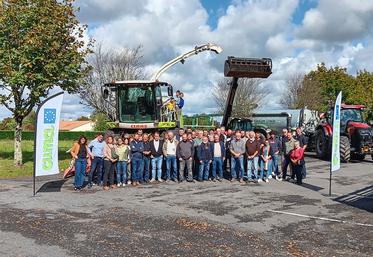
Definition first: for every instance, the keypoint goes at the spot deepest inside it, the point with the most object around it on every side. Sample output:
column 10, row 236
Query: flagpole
column 330, row 176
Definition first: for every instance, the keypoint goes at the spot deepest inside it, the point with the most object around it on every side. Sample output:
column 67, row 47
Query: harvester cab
column 242, row 68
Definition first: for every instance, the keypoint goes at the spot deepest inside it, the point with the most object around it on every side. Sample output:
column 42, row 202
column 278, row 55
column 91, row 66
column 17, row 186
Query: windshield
column 241, row 125
column 351, row 115
column 137, row 104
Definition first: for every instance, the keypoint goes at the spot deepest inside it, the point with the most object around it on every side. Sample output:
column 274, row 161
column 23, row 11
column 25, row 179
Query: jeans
column 252, row 168
column 285, row 166
column 217, row 163
column 157, row 167
column 171, row 161
column 262, row 170
column 136, row 169
column 121, row 171
column 146, row 167
column 234, row 162
column 275, row 159
column 188, row 163
column 80, row 166
column 96, row 166
column 109, row 173
column 204, row 169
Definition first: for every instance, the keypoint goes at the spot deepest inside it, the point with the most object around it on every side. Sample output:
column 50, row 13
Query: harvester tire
column 321, row 145
column 345, row 149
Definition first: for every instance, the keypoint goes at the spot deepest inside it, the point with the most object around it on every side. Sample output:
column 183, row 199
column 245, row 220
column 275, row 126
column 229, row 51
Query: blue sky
column 296, row 34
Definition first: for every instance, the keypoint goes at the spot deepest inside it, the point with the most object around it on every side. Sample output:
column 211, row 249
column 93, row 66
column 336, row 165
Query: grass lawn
column 7, row 169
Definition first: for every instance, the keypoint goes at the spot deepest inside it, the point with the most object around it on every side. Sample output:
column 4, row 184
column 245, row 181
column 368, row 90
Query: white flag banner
column 46, row 136
column 336, row 156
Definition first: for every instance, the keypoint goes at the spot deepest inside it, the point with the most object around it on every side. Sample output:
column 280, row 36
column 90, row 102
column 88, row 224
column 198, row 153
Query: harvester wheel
column 345, row 149
column 321, row 144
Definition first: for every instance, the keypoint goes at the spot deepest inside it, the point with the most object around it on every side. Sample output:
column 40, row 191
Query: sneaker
column 160, row 180
column 119, row 184
column 219, row 179
column 75, row 189
column 106, row 188
column 129, row 182
column 152, row 180
column 114, row 186
column 259, row 180
column 267, row 180
column 270, row 176
column 89, row 185
column 241, row 180
column 123, row 184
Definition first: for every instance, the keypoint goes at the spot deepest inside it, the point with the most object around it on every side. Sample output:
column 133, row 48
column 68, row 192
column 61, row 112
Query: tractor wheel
column 345, row 149
column 321, row 144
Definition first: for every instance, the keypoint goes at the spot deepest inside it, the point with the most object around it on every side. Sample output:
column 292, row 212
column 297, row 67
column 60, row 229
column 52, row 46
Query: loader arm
column 243, row 68
column 181, row 58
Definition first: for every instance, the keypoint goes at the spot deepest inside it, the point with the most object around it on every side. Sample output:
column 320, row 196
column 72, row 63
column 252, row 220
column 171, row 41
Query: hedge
column 63, row 135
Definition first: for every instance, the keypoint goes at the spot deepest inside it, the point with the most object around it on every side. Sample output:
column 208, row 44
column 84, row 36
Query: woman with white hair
column 297, row 161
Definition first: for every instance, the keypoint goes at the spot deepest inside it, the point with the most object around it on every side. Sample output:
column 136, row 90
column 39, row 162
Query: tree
column 109, row 65
column 101, row 122
column 248, row 96
column 301, row 92
column 42, row 47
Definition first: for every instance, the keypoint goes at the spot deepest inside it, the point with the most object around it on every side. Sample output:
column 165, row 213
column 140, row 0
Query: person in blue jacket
column 205, row 154
column 137, row 156
column 218, row 154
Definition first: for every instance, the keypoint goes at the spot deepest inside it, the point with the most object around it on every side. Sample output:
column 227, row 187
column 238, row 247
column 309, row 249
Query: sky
column 296, row 34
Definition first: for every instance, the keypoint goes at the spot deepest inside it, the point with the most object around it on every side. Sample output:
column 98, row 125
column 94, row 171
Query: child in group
column 123, row 161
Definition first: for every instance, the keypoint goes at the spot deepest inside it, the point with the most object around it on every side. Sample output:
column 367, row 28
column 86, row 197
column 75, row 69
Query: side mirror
column 105, row 94
column 170, row 91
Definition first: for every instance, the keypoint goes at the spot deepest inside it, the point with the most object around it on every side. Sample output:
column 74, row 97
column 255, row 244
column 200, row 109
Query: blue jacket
column 137, row 149
column 222, row 148
column 205, row 152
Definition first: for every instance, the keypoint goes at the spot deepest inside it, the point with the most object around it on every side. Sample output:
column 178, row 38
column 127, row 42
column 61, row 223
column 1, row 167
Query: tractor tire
column 321, row 145
column 345, row 149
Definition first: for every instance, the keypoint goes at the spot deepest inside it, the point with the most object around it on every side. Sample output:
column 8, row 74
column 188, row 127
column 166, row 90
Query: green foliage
column 355, row 89
column 63, row 135
column 41, row 47
column 101, row 122
column 8, row 124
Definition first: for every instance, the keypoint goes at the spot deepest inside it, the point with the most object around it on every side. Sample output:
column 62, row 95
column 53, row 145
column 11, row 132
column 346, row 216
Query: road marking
column 322, row 218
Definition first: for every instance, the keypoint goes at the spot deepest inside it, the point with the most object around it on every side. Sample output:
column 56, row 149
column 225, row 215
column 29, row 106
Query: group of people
column 188, row 156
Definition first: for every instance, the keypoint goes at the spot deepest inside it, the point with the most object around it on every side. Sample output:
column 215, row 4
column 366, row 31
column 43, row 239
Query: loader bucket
column 248, row 67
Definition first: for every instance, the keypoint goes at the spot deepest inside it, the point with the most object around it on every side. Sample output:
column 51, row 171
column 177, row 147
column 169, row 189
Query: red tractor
column 356, row 134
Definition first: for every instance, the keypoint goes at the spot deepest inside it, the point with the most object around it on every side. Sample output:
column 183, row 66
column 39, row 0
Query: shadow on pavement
column 312, row 187
column 52, row 186
column 362, row 199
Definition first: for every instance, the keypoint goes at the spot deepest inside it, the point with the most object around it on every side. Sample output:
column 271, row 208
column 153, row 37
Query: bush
column 63, row 135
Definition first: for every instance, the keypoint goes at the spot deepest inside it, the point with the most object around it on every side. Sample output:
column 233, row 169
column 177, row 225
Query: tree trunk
column 17, row 145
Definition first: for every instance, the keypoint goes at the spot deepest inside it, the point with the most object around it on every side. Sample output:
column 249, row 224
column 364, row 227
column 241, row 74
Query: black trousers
column 297, row 169
column 109, row 173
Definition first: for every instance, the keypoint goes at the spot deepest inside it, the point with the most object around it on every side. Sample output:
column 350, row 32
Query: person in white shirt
column 169, row 151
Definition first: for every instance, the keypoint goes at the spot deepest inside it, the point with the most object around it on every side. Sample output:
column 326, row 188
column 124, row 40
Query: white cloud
column 336, row 32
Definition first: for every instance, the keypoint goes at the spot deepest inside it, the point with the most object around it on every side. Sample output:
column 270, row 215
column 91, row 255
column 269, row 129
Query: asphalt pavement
column 193, row 219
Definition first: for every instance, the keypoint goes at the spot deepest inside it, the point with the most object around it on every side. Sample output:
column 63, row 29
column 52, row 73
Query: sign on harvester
column 46, row 136
column 336, row 156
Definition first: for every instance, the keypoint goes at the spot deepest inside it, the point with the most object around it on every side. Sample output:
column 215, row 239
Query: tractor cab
column 141, row 104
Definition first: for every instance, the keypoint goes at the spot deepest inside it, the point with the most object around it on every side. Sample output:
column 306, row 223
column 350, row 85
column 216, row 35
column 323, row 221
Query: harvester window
column 137, row 104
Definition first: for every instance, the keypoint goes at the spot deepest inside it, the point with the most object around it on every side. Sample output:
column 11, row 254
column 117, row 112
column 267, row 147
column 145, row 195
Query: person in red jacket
column 297, row 162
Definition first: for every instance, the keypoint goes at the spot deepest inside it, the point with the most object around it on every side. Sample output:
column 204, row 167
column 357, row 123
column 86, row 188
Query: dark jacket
column 153, row 151
column 136, row 149
column 205, row 152
column 222, row 148
column 185, row 150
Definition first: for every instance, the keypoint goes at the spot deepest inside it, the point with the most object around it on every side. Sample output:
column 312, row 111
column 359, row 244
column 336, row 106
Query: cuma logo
column 49, row 116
